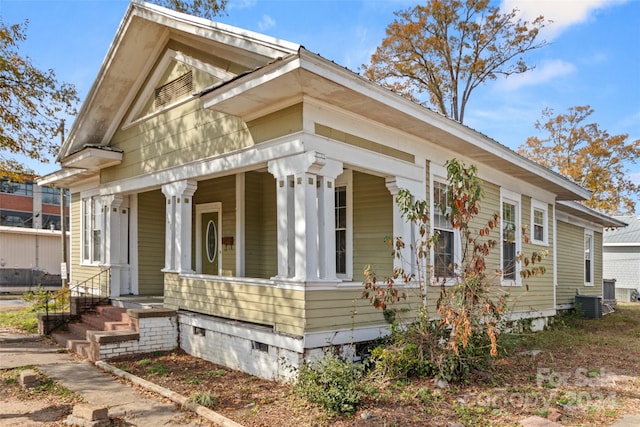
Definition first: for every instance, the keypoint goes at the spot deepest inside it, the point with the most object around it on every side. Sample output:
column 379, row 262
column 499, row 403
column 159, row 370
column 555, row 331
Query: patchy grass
column 24, row 320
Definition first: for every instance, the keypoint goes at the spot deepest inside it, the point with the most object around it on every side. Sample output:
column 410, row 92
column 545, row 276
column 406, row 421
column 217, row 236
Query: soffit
column 290, row 80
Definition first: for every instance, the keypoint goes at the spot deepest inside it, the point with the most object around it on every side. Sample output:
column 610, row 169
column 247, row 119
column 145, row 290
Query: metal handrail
column 70, row 303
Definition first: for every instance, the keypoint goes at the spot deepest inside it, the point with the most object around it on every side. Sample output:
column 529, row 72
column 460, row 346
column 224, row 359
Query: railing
column 70, row 303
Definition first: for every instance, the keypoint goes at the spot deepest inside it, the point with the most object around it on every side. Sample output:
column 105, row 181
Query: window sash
column 509, row 249
column 588, row 255
column 93, row 231
column 341, row 229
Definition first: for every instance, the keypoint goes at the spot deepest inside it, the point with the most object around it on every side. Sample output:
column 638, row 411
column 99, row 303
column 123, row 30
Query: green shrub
column 332, row 382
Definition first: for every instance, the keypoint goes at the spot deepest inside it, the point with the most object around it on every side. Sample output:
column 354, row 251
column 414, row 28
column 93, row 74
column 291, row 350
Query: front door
column 209, row 239
column 209, row 255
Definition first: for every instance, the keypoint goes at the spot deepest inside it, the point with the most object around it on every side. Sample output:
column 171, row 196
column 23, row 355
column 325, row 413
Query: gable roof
column 140, row 39
column 278, row 74
column 627, row 236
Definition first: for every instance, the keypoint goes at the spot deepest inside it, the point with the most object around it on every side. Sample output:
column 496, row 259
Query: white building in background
column 30, row 235
column 621, row 257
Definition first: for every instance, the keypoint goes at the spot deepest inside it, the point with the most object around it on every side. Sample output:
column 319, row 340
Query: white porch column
column 178, row 226
column 306, row 236
column 112, row 256
column 306, row 227
column 327, row 219
column 401, row 227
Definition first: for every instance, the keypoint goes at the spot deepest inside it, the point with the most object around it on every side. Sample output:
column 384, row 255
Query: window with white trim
column 93, row 230
column 341, row 229
column 539, row 221
column 588, row 258
column 510, row 238
column 444, row 251
column 344, row 225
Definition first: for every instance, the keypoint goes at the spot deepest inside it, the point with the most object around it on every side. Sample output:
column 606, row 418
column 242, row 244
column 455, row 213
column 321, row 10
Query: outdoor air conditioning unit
column 590, row 305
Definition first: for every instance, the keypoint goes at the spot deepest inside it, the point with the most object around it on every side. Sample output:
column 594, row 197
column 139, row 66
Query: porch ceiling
column 290, row 80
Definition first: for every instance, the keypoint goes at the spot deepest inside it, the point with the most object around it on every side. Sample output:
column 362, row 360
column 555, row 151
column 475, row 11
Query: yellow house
column 248, row 181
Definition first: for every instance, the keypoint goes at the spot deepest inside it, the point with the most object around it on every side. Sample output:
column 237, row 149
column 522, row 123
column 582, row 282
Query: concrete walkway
column 95, row 386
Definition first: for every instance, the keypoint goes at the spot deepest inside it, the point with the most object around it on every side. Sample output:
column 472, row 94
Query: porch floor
column 138, row 301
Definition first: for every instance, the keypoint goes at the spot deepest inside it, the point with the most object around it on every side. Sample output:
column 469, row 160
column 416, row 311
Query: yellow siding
column 282, row 309
column 274, row 125
column 79, row 272
column 189, row 133
column 261, row 250
column 219, row 190
column 362, row 143
column 597, row 263
column 151, row 239
column 340, row 309
column 536, row 293
column 181, row 135
column 372, row 225
column 571, row 263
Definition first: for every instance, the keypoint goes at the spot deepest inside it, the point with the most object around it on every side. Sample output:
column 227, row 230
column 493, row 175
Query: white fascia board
column 622, row 245
column 260, row 43
column 322, row 67
column 363, row 159
column 79, row 121
column 598, row 218
column 227, row 163
column 60, row 175
column 258, row 78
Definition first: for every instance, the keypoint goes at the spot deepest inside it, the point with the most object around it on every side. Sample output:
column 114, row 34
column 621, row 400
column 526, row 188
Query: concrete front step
column 72, row 343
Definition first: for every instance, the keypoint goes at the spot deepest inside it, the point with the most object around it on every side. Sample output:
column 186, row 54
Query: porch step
column 114, row 314
column 104, row 324
column 72, row 343
column 107, row 318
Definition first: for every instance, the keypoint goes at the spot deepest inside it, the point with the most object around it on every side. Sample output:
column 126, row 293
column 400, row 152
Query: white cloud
column 563, row 13
column 241, row 4
column 544, row 72
column 266, row 22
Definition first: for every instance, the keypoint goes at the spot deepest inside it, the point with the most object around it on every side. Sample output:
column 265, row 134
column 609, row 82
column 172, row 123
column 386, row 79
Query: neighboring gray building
column 621, row 257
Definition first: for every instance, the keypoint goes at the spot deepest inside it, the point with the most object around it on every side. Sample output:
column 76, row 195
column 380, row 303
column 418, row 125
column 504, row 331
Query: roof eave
column 253, row 92
column 583, row 212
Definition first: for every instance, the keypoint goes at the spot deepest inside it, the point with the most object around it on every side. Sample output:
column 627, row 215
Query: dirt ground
column 587, row 372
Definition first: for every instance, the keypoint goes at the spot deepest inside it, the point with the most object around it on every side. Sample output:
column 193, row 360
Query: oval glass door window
column 212, row 241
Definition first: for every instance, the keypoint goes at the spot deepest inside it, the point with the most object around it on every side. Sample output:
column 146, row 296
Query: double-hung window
column 344, row 225
column 93, row 230
column 444, row 251
column 510, row 237
column 539, row 221
column 341, row 230
column 588, row 258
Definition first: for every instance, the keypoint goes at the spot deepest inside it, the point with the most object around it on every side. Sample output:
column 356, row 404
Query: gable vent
column 173, row 90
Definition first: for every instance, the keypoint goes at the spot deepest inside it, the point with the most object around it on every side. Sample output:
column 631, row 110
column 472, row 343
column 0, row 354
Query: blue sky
column 594, row 56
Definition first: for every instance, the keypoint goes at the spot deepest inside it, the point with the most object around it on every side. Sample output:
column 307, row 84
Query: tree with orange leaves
column 588, row 155
column 447, row 48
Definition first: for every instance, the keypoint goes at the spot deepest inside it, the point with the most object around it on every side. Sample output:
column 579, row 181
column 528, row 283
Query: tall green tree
column 447, row 48
column 203, row 8
column 588, row 155
column 32, row 104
